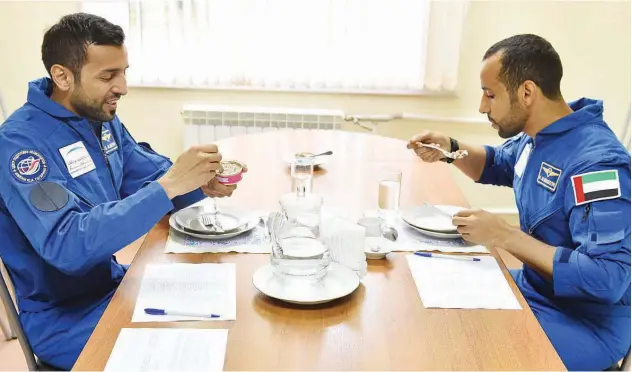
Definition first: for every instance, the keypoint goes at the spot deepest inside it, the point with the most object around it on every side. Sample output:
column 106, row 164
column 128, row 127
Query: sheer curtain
column 310, row 45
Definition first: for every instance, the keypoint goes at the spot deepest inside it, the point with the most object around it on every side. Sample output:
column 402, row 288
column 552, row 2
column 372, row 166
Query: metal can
column 231, row 174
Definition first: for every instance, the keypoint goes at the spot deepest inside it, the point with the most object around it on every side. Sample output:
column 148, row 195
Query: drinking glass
column 389, row 188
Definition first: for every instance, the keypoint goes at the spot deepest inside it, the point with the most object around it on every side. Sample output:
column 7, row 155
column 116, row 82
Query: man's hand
column 427, row 154
column 194, row 168
column 214, row 189
column 482, row 227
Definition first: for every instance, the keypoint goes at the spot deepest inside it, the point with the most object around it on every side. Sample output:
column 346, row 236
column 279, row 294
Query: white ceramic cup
column 372, row 225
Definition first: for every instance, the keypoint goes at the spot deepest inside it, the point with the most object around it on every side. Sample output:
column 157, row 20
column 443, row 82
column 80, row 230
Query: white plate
column 427, row 218
column 251, row 225
column 231, row 219
column 318, row 161
column 340, row 281
column 436, row 234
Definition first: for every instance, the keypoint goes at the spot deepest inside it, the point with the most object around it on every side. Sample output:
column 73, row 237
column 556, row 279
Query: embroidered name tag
column 108, row 143
column 77, row 159
column 549, row 176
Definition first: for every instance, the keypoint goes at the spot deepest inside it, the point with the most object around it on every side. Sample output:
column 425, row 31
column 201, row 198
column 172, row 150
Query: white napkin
column 346, row 240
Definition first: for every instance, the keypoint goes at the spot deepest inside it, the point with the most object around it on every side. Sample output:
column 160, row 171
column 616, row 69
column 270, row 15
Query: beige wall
column 592, row 38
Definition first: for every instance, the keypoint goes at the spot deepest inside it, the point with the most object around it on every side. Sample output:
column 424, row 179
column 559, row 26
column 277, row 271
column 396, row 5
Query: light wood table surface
column 383, row 324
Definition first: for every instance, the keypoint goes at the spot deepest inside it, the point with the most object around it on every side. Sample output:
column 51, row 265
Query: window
column 386, row 46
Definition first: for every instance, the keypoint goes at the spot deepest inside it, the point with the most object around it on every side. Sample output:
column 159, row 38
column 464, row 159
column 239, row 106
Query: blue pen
column 434, row 255
column 151, row 311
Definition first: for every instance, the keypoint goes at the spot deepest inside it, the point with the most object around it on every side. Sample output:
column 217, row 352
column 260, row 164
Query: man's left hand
column 481, row 227
column 215, row 189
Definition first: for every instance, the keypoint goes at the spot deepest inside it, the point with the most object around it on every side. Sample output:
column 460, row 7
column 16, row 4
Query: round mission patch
column 28, row 166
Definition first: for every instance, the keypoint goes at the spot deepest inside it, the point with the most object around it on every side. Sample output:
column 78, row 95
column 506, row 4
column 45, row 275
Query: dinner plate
column 249, row 226
column 436, row 234
column 429, row 219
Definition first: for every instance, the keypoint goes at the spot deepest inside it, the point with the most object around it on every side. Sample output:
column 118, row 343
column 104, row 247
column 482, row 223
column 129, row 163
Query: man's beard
column 512, row 125
column 91, row 110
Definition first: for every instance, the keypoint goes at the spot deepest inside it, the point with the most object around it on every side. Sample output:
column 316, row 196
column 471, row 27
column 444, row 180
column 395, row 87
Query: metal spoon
column 325, row 153
column 445, row 153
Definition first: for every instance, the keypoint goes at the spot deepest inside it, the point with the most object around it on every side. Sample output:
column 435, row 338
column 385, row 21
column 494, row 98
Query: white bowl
column 383, row 246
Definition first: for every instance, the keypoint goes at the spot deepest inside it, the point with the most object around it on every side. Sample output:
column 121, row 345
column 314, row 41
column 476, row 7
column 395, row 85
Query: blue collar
column 584, row 109
column 39, row 96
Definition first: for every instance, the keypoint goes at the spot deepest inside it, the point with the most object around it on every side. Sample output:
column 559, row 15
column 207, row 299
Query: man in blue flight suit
column 571, row 179
column 75, row 187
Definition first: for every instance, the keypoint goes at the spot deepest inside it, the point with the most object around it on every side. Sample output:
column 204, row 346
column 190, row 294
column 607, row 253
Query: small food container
column 231, row 174
column 304, row 155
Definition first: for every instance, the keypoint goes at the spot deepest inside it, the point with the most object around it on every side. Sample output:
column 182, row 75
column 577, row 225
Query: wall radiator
column 208, row 124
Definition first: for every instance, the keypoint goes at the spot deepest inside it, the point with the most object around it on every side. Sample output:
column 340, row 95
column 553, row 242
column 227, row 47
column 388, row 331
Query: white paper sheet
column 455, row 284
column 141, row 349
column 198, row 288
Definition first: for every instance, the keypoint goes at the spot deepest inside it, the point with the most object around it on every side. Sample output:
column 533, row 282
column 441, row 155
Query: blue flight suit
column 70, row 199
column 585, row 308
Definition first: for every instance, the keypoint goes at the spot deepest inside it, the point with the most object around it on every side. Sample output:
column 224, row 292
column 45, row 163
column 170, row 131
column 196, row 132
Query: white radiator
column 207, row 124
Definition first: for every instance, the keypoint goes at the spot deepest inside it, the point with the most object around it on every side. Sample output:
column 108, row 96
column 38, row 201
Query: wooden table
column 383, row 324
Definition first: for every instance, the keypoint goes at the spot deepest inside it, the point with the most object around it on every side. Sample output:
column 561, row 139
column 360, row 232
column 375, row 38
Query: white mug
column 372, row 225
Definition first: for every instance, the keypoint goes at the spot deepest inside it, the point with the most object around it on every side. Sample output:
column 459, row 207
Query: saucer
column 339, row 282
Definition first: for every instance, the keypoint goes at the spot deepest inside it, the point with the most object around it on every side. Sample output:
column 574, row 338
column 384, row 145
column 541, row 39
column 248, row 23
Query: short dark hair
column 66, row 42
column 529, row 57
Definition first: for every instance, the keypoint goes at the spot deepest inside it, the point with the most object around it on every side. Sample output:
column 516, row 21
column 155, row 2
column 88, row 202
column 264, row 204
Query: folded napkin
column 346, row 241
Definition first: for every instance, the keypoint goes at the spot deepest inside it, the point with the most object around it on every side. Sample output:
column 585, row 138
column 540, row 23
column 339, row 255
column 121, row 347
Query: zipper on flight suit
column 107, row 162
column 542, row 220
column 525, row 169
column 586, row 211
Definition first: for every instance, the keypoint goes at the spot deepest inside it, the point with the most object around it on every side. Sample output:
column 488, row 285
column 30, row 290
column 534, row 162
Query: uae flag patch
column 593, row 186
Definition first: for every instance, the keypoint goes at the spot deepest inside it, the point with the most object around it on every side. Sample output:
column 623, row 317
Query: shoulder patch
column 28, row 166
column 594, row 186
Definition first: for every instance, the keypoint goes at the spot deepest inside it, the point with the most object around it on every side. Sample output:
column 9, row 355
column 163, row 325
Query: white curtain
column 332, row 45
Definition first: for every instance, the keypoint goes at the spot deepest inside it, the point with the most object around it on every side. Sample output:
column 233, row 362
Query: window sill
column 370, row 92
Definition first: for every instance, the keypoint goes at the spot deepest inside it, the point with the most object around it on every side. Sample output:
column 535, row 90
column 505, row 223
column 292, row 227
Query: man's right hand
column 193, row 169
column 425, row 153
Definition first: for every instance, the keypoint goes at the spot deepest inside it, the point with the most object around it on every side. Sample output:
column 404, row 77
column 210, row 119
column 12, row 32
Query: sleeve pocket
column 609, row 227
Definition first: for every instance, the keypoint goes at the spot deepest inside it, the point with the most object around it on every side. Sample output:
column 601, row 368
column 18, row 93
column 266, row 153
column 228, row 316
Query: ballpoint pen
column 152, row 311
column 434, row 255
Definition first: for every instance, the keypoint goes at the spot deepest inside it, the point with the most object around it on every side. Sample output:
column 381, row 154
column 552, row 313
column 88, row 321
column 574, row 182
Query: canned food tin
column 231, row 174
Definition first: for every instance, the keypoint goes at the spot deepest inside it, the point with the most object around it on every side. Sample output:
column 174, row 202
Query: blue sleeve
column 500, row 162
column 598, row 267
column 143, row 165
column 76, row 236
